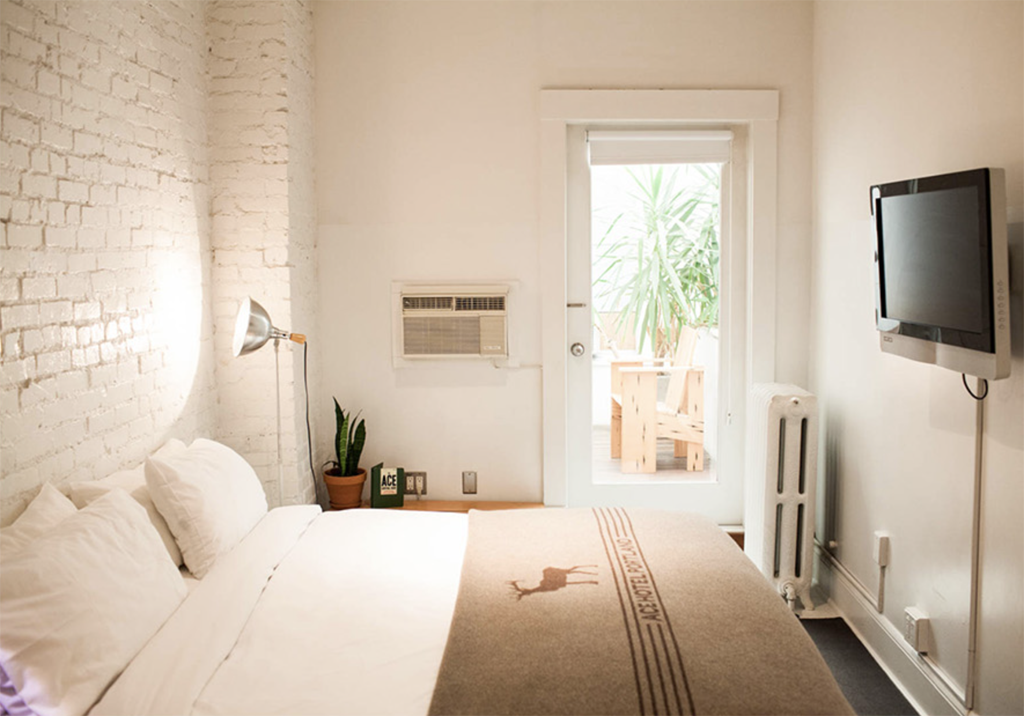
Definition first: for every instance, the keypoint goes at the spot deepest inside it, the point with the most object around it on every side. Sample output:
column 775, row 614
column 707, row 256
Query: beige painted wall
column 903, row 90
column 428, row 168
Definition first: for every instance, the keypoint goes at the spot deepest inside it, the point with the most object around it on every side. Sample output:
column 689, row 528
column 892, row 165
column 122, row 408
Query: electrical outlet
column 881, row 552
column 917, row 629
column 411, row 480
column 469, row 482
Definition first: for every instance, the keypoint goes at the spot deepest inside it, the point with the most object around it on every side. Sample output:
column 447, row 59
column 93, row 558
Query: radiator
column 779, row 494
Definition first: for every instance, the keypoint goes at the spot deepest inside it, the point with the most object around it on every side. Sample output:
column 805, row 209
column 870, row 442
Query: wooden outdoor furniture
column 638, row 419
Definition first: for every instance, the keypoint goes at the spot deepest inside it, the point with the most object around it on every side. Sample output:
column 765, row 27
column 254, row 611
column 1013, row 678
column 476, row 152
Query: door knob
column 577, row 349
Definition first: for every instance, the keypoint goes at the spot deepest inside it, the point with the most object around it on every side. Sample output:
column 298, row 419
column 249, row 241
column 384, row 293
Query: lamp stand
column 253, row 329
column 277, row 393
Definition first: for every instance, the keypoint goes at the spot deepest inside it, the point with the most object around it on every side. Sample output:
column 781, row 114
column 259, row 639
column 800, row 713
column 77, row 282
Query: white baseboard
column 924, row 689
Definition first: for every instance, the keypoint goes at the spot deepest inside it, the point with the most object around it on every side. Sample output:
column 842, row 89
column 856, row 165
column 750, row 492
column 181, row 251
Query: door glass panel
column 655, row 253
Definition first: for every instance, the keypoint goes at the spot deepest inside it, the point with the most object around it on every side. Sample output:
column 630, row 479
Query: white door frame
column 758, row 110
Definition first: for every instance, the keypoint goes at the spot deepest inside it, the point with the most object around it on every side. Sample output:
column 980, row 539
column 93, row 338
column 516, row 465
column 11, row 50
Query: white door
column 602, row 330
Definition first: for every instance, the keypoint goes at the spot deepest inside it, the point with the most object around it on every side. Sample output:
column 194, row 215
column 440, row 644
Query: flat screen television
column 941, row 265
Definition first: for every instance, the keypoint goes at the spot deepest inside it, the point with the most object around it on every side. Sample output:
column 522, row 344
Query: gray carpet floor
column 865, row 685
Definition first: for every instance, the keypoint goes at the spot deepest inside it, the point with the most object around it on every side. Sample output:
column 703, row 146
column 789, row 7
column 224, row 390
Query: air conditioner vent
column 479, row 303
column 448, row 321
column 427, row 303
column 441, row 335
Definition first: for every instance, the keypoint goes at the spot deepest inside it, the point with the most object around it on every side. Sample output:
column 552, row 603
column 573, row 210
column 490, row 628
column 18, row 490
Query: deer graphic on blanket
column 553, row 579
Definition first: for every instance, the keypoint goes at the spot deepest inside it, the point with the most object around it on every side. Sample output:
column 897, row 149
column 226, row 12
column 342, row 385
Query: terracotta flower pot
column 345, row 492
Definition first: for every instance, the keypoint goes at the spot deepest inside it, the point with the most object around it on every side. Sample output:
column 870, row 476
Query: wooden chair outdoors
column 638, row 419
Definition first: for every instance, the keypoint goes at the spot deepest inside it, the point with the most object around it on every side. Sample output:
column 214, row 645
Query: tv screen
column 940, row 256
column 932, row 259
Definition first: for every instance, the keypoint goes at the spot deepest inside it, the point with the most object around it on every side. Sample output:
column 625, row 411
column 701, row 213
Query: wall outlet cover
column 881, row 548
column 917, row 629
column 410, row 482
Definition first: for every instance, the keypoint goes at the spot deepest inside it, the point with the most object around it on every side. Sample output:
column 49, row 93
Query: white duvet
column 340, row 613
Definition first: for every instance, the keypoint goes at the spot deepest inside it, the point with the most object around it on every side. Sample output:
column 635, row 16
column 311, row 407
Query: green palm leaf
column 660, row 259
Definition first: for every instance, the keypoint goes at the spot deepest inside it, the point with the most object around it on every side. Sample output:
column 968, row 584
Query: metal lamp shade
column 253, row 328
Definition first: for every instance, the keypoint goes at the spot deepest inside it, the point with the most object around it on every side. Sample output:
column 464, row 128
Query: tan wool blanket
column 613, row 611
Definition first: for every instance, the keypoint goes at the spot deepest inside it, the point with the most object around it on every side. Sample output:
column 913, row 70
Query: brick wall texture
column 153, row 171
column 263, row 213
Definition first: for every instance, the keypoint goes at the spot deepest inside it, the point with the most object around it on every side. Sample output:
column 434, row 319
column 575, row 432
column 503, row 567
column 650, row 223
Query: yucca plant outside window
column 657, row 263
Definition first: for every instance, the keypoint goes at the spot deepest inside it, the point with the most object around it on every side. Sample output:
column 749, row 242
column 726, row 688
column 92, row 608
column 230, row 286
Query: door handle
column 577, row 349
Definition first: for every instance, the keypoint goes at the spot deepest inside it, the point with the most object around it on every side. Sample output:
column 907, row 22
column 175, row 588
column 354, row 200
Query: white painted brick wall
column 105, row 323
column 302, row 229
column 263, row 226
column 156, row 166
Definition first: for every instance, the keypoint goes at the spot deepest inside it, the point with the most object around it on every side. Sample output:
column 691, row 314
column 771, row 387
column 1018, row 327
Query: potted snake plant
column 343, row 477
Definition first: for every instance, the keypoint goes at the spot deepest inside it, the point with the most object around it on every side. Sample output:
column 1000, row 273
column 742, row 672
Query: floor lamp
column 253, row 328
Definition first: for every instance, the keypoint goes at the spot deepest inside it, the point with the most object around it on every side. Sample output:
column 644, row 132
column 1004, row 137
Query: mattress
column 335, row 613
column 351, row 613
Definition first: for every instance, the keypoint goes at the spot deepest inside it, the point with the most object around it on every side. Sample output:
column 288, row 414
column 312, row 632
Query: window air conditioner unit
column 450, row 321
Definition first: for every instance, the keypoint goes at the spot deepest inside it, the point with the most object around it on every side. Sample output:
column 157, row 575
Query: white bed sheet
column 340, row 613
column 190, row 580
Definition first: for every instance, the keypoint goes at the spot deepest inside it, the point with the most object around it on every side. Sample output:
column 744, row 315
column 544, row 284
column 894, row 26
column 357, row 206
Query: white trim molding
column 923, row 687
column 755, row 110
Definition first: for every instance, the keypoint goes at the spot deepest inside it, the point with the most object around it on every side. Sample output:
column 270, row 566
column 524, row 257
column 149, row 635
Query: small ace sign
column 387, row 486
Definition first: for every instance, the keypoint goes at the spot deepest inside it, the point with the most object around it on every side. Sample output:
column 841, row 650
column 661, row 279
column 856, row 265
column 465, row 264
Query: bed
column 574, row 611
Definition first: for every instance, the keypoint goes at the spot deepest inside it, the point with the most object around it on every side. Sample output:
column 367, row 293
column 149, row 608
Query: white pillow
column 210, row 497
column 168, row 448
column 134, row 483
column 80, row 602
column 47, row 509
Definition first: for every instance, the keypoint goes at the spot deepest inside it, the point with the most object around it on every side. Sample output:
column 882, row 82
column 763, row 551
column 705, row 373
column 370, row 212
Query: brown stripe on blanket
column 610, row 611
column 661, row 682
